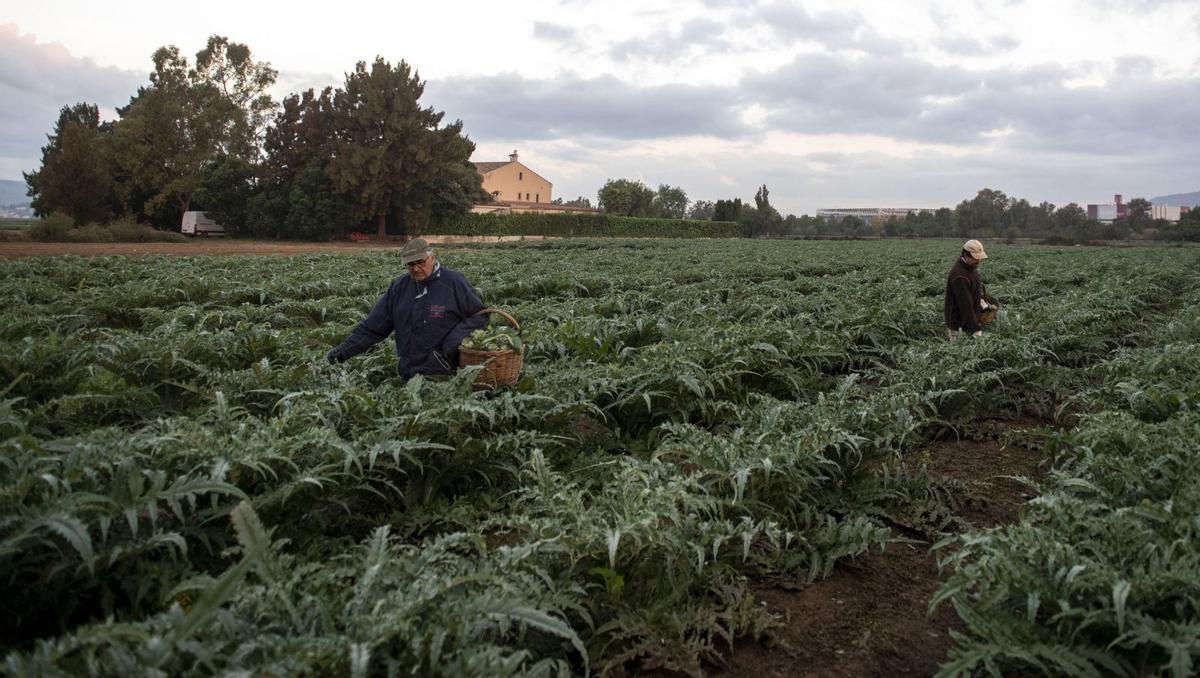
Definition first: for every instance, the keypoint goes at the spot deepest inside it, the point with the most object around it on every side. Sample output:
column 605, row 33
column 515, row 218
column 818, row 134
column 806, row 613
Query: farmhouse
column 515, row 188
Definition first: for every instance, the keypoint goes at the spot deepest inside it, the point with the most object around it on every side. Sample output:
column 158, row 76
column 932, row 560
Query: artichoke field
column 190, row 489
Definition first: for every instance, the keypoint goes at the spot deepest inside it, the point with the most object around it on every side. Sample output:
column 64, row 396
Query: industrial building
column 1106, row 214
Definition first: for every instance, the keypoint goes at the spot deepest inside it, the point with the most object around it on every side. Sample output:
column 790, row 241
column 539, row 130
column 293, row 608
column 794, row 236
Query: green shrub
column 54, row 228
column 128, row 230
column 91, row 233
column 58, row 228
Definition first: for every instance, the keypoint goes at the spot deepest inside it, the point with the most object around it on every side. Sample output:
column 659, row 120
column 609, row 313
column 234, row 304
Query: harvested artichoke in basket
column 493, row 338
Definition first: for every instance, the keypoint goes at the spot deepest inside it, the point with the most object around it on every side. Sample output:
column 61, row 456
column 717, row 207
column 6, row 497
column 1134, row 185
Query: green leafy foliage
column 189, row 487
column 75, row 177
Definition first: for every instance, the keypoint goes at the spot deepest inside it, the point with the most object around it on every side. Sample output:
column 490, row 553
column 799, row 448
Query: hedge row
column 588, row 226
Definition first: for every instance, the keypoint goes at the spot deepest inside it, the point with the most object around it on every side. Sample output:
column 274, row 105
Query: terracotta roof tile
column 485, row 167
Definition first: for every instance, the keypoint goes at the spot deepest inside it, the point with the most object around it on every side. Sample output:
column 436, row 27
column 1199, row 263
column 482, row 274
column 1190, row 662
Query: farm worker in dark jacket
column 964, row 292
column 431, row 310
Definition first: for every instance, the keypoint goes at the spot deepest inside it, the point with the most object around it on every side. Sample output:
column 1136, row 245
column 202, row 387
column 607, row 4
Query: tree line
column 990, row 214
column 207, row 136
column 631, row 198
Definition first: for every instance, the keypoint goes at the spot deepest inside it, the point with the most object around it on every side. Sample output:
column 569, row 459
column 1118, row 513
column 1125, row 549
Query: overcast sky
column 831, row 104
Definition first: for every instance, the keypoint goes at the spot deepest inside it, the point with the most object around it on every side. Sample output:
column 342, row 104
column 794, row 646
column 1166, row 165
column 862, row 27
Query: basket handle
column 511, row 320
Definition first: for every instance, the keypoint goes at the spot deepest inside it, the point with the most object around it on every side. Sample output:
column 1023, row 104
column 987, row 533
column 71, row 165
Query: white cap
column 975, row 249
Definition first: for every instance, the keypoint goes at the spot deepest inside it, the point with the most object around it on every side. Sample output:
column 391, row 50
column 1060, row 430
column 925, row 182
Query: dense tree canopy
column 75, row 177
column 187, row 118
column 701, row 210
column 388, row 154
column 764, row 218
column 727, row 210
column 1137, row 214
column 296, row 196
column 625, row 197
column 224, row 191
column 229, row 68
column 670, row 202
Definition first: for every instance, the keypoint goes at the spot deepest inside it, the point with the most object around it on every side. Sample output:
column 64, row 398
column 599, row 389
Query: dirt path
column 870, row 617
column 14, row 250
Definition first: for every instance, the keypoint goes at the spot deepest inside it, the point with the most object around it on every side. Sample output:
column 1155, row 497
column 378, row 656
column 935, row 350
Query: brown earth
column 869, row 618
column 218, row 246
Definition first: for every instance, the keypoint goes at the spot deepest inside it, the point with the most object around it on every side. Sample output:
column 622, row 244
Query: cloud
column 510, row 106
column 37, row 80
column 826, row 93
column 792, row 21
column 667, row 45
column 559, row 33
column 963, row 45
column 908, row 98
column 835, row 30
column 1137, row 6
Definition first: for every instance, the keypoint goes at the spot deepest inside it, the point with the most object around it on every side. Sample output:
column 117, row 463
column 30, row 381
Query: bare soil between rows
column 870, row 617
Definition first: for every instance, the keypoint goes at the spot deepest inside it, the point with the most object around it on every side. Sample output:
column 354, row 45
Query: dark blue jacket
column 430, row 319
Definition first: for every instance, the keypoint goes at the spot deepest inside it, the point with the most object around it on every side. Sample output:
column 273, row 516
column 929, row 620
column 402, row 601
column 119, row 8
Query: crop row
column 190, row 488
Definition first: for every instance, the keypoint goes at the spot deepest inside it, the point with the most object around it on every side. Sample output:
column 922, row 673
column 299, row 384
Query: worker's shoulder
column 958, row 270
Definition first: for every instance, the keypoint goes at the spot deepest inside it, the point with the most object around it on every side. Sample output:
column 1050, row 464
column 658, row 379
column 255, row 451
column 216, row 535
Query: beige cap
column 415, row 250
column 975, row 249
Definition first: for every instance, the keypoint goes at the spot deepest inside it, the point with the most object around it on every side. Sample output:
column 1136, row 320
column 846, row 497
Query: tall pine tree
column 76, row 174
column 389, row 155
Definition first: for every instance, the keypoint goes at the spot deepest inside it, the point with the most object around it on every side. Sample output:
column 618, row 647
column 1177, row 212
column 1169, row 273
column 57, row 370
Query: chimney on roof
column 512, row 157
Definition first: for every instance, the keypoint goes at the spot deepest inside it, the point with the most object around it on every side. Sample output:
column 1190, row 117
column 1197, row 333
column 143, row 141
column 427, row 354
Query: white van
column 197, row 223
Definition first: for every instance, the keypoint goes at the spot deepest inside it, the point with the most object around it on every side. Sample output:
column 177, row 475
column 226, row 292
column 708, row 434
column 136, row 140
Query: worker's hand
column 978, row 334
column 983, row 305
column 334, row 355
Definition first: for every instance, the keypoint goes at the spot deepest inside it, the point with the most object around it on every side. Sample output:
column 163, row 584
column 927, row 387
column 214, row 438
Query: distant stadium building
column 874, row 216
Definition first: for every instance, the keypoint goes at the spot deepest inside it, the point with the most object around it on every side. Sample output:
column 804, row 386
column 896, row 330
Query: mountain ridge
column 1188, row 199
column 13, row 192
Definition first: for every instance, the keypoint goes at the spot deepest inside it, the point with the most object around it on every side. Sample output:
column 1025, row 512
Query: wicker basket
column 986, row 317
column 501, row 368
